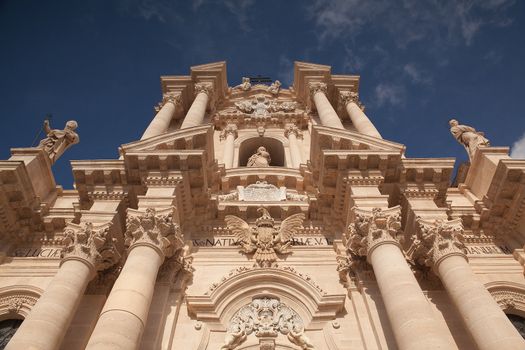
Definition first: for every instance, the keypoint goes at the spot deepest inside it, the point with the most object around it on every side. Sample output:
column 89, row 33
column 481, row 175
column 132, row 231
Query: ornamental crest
column 265, row 239
column 266, row 317
column 261, row 106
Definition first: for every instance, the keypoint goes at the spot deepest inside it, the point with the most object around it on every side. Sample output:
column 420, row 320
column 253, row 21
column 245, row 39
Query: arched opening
column 518, row 322
column 8, row 328
column 273, row 146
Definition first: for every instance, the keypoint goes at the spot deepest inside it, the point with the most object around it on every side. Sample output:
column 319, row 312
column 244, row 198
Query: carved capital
column 292, row 129
column 154, row 229
column 372, row 229
column 230, row 129
column 91, row 244
column 346, row 97
column 436, row 241
column 316, row 87
column 206, row 88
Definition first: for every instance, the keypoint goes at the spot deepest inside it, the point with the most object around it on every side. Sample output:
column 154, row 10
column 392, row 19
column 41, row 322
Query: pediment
column 326, row 138
column 197, row 138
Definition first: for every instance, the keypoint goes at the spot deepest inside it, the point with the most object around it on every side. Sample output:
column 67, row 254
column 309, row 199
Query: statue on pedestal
column 57, row 141
column 468, row 137
column 259, row 159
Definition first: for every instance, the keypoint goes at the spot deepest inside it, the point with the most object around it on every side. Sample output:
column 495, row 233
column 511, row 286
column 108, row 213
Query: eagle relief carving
column 266, row 239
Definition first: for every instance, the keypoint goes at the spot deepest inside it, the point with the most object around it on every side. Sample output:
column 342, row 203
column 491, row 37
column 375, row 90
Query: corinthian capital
column 316, row 87
column 346, row 97
column 94, row 245
column 229, row 129
column 206, row 88
column 154, row 229
column 372, row 228
column 292, row 129
column 436, row 240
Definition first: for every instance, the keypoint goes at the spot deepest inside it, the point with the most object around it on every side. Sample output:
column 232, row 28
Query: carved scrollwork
column 436, row 240
column 372, row 228
column 92, row 244
column 155, row 229
column 266, row 317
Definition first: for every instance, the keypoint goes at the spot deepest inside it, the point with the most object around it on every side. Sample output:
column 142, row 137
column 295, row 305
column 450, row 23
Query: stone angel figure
column 275, row 87
column 260, row 159
column 57, row 141
column 468, row 137
column 265, row 239
column 245, row 85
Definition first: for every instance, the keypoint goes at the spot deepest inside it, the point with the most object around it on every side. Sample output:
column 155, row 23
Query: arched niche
column 16, row 301
column 275, row 147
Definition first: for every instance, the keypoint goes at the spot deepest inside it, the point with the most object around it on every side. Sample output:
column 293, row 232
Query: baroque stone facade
column 262, row 217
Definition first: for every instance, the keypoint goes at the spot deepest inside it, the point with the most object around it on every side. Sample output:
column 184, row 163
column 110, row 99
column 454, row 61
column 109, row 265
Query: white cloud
column 518, row 148
column 416, row 74
column 162, row 11
column 389, row 93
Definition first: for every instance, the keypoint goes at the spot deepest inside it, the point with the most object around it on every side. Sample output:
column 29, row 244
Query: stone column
column 229, row 133
column 197, row 111
column 353, row 107
column 291, row 131
column 87, row 249
column 162, row 120
column 151, row 236
column 439, row 245
column 325, row 110
column 373, row 235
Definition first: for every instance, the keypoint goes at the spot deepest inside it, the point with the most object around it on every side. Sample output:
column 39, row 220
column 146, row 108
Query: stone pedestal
column 38, row 168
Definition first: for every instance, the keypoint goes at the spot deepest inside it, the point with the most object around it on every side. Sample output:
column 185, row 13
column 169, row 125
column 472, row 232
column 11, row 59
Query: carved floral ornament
column 346, row 97
column 92, row 244
column 265, row 239
column 372, row 228
column 155, row 229
column 436, row 240
column 261, row 106
column 316, row 87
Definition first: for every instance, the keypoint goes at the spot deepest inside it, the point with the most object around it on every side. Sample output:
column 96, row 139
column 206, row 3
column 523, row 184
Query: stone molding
column 266, row 317
column 153, row 228
column 372, row 228
column 92, row 244
column 510, row 296
column 435, row 241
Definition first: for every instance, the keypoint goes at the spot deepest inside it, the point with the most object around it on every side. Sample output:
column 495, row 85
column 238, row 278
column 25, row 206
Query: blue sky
column 421, row 62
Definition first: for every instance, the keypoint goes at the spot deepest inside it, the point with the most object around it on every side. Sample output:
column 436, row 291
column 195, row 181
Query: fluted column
column 151, row 236
column 197, row 111
column 87, row 249
column 359, row 119
column 439, row 245
column 229, row 133
column 324, row 108
column 373, row 235
column 291, row 131
column 162, row 119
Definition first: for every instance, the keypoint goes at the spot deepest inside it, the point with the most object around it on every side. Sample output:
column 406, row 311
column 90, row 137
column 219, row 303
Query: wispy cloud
column 417, row 75
column 518, row 148
column 162, row 11
column 285, row 72
column 239, row 8
column 387, row 93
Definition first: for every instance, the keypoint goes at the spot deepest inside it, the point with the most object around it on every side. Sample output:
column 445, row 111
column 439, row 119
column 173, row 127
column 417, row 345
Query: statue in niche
column 245, row 85
column 57, row 141
column 260, row 159
column 468, row 137
column 275, row 87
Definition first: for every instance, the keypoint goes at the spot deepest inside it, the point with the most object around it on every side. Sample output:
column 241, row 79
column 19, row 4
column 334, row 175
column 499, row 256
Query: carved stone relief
column 266, row 317
column 261, row 191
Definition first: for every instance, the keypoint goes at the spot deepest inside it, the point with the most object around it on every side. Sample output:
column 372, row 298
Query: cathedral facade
column 262, row 217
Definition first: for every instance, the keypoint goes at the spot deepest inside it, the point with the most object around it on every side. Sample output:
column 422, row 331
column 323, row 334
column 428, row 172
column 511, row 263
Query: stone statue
column 245, row 85
column 275, row 87
column 468, row 137
column 57, row 141
column 259, row 159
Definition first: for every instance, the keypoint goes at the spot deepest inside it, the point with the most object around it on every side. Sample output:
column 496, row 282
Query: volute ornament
column 155, row 229
column 57, row 141
column 92, row 244
column 265, row 239
column 468, row 137
column 266, row 317
column 436, row 240
column 372, row 228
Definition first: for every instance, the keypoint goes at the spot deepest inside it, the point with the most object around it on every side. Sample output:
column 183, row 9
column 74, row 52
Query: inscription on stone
column 36, row 253
column 228, row 242
column 489, row 249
